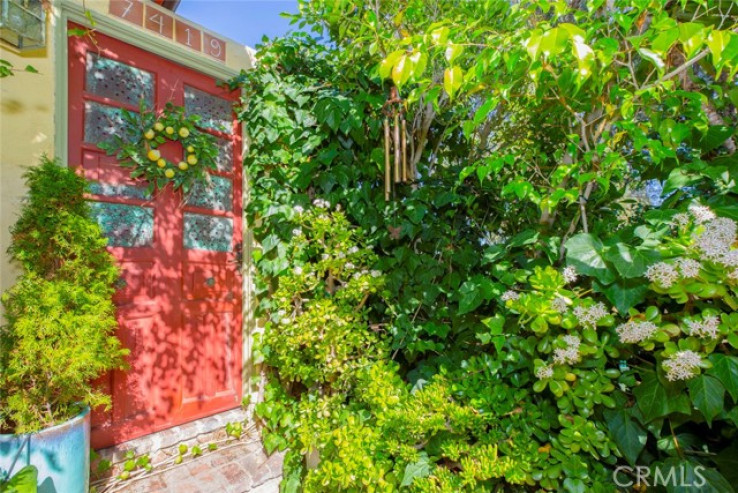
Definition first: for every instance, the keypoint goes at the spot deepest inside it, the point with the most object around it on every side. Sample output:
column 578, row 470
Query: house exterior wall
column 33, row 118
column 33, row 106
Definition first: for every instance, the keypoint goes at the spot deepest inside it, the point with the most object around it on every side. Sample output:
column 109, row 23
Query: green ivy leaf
column 474, row 292
column 727, row 462
column 655, row 401
column 584, row 253
column 626, row 432
column 708, row 396
column 624, row 294
column 629, row 261
column 725, row 369
column 419, row 469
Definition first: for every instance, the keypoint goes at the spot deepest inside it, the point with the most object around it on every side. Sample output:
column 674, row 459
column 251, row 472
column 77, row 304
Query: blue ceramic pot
column 60, row 453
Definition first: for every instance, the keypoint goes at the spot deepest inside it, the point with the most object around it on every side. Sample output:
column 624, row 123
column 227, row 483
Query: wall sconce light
column 23, row 23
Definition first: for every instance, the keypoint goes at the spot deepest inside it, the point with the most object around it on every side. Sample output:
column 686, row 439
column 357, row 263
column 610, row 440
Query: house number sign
column 160, row 22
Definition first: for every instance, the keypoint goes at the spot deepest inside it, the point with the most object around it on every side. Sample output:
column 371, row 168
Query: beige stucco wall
column 26, row 133
column 30, row 104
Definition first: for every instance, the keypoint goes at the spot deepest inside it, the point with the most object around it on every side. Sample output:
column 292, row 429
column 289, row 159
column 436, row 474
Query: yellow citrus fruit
column 161, row 163
column 154, row 155
column 183, row 166
column 149, row 134
column 192, row 159
column 190, row 149
column 169, row 130
column 184, row 132
column 169, row 173
column 158, row 126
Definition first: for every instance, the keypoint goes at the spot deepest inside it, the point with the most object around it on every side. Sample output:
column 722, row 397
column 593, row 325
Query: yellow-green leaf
column 692, row 37
column 385, row 68
column 453, row 51
column 439, row 36
column 452, row 80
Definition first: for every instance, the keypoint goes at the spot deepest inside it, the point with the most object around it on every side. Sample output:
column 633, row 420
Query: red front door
column 179, row 295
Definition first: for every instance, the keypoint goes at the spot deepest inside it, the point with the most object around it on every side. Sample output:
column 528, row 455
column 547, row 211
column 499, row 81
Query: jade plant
column 60, row 319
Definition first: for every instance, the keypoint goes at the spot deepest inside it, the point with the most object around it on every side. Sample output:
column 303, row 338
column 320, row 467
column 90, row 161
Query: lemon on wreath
column 169, row 130
column 190, row 149
column 158, row 126
column 161, row 163
column 183, row 166
column 153, row 155
column 149, row 134
column 169, row 173
column 192, row 159
column 184, row 132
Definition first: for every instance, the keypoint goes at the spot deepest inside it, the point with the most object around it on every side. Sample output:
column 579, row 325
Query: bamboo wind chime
column 395, row 139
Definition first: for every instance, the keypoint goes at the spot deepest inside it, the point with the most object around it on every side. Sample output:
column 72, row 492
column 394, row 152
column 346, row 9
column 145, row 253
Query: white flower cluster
column 570, row 354
column 298, row 209
column 354, row 249
column 633, row 332
column 701, row 213
column 544, row 372
column 681, row 366
column 560, row 304
column 730, row 259
column 364, row 272
column 509, row 296
column 570, row 274
column 321, row 204
column 716, row 239
column 663, row 274
column 689, row 267
column 588, row 317
column 297, row 232
column 707, row 328
column 681, row 219
column 297, row 270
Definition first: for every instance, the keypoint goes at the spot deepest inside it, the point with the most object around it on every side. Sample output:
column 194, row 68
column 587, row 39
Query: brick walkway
column 238, row 468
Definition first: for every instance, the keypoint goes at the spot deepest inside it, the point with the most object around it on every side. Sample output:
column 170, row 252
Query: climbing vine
column 558, row 279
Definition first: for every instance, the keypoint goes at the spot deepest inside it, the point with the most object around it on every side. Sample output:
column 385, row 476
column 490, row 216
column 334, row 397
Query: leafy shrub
column 558, row 147
column 59, row 334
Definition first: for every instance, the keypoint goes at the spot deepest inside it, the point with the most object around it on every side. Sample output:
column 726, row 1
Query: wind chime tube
column 387, row 172
column 404, row 151
column 397, row 148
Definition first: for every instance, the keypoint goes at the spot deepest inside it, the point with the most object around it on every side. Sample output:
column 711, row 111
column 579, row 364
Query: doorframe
column 65, row 11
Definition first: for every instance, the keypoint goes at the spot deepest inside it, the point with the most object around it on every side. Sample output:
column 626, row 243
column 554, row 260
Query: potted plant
column 59, row 332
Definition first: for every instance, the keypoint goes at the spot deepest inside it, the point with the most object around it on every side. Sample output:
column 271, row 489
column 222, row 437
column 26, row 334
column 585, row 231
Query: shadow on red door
column 179, row 294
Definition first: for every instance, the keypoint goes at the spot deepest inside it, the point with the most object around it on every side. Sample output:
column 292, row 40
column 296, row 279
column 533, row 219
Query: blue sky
column 245, row 21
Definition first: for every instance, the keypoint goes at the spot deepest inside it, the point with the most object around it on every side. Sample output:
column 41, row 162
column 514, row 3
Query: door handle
column 238, row 254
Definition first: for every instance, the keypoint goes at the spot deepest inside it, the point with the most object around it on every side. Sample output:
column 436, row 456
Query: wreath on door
column 144, row 131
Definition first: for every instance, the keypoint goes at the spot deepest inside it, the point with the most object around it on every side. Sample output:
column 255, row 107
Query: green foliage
column 146, row 130
column 550, row 306
column 59, row 335
column 7, row 69
column 24, row 481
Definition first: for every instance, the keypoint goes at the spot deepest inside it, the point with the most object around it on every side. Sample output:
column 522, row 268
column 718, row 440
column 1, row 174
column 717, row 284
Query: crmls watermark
column 626, row 476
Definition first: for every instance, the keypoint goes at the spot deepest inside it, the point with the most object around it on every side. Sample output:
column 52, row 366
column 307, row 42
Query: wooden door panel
column 208, row 357
column 179, row 292
column 205, row 281
column 135, row 283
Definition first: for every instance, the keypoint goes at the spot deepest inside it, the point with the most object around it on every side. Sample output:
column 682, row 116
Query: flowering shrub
column 637, row 375
column 544, row 275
